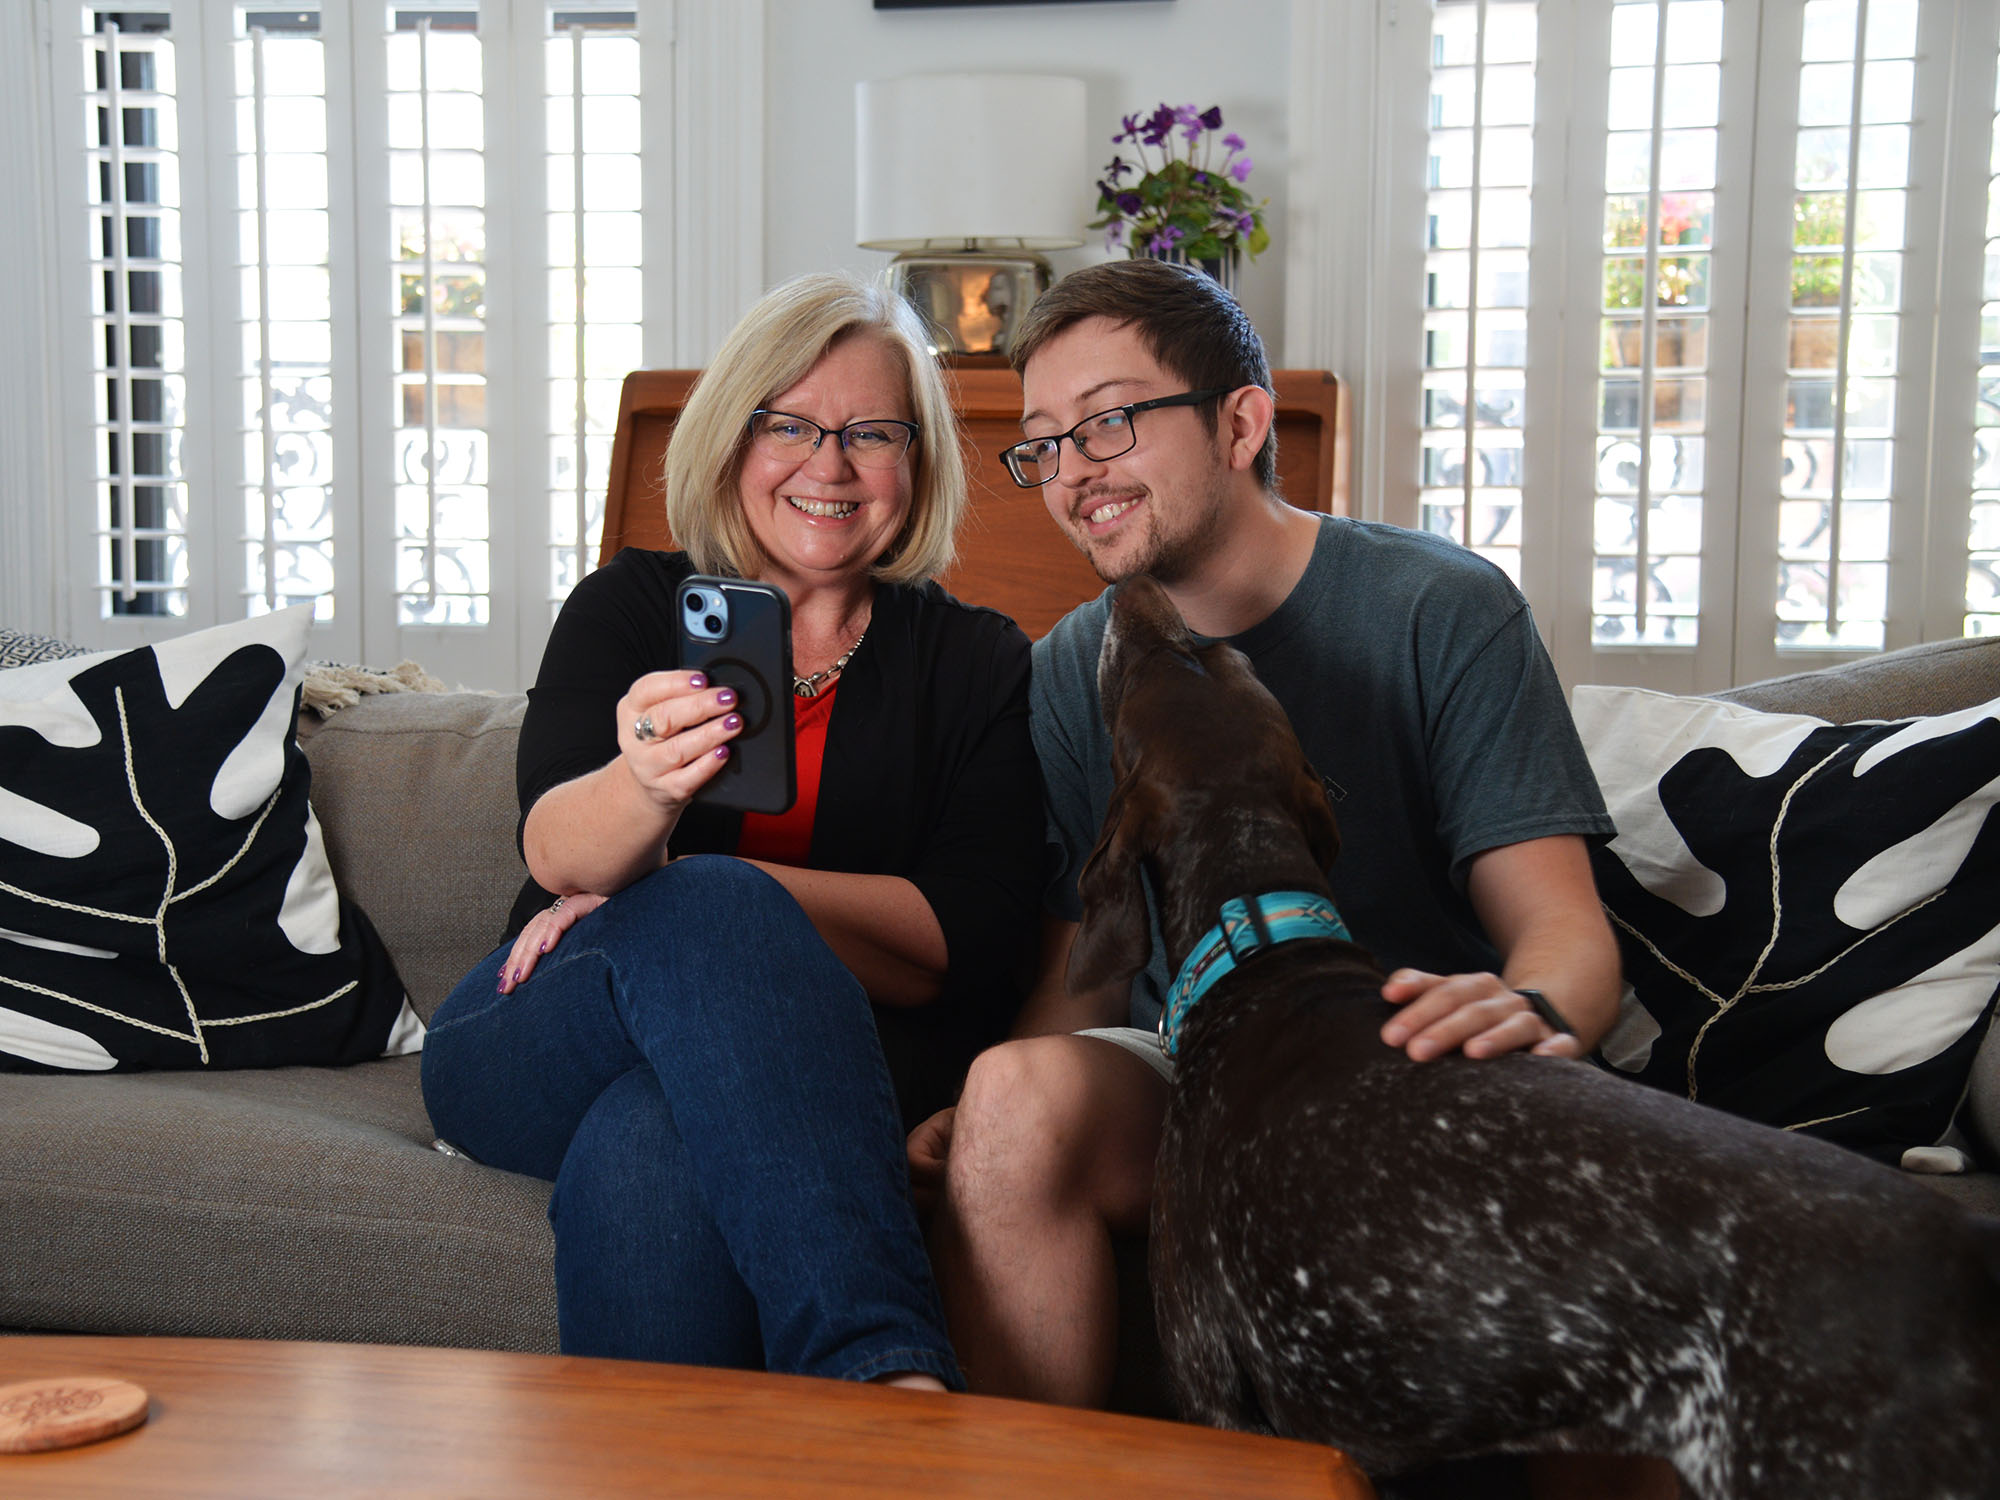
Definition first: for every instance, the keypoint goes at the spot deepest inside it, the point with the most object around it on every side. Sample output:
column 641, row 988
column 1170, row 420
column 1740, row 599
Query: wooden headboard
column 1010, row 554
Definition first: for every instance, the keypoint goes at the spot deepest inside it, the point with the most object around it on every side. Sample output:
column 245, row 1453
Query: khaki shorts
column 1144, row 1045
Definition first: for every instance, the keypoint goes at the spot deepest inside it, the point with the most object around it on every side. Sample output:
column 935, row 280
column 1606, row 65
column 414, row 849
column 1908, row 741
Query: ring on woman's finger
column 644, row 730
column 556, row 905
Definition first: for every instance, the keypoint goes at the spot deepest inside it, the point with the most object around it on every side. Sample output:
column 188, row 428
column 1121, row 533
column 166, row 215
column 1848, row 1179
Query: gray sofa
column 309, row 1203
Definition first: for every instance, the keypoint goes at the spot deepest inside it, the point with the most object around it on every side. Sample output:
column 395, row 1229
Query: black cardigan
column 929, row 773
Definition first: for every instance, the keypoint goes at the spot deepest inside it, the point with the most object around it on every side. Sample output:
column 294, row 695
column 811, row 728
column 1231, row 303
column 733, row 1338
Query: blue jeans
column 699, row 1076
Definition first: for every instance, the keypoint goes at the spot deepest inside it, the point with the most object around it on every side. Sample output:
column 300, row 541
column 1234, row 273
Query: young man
column 1413, row 674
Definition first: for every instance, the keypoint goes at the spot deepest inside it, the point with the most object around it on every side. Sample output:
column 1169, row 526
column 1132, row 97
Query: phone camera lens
column 714, row 624
column 695, row 604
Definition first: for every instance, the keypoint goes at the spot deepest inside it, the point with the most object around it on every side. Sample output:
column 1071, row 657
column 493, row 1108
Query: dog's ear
column 1115, row 939
column 1312, row 801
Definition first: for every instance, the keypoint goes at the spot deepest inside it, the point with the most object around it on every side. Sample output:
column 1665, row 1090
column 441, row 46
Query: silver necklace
column 808, row 687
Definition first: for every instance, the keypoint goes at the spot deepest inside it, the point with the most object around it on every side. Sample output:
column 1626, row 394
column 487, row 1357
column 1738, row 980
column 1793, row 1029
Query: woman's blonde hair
column 770, row 350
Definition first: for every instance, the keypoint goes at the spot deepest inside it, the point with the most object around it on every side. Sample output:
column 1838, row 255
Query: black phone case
column 755, row 658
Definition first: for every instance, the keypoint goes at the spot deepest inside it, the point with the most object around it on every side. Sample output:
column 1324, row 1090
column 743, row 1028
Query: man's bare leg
column 1051, row 1154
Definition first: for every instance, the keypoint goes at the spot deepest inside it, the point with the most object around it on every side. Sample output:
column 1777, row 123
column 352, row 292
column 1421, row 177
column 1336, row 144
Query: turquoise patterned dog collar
column 1249, row 925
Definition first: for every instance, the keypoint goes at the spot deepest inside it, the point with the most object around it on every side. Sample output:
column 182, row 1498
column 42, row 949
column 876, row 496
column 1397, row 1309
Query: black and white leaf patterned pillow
column 165, row 897
column 1809, row 913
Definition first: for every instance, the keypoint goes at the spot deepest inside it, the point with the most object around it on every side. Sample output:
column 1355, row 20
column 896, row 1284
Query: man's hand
column 928, row 1149
column 1477, row 1014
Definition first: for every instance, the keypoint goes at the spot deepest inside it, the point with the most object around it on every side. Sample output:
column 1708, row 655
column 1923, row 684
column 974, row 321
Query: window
column 1662, row 118
column 284, row 312
column 364, row 282
column 138, row 330
column 1478, row 217
column 1850, row 181
column 1697, row 365
column 440, row 445
column 597, row 294
column 1982, row 575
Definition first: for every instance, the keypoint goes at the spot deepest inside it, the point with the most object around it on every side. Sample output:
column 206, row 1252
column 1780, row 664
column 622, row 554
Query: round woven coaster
column 37, row 1415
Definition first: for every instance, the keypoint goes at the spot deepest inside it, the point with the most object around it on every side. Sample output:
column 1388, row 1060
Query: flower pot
column 1222, row 271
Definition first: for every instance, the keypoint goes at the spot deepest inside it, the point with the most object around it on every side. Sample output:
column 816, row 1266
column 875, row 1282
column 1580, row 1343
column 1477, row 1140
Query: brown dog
column 1424, row 1261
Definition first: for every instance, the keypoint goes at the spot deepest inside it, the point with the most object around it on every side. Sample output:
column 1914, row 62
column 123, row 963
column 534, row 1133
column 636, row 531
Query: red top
column 786, row 838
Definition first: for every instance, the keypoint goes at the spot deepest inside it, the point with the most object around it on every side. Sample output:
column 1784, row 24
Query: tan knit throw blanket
column 330, row 686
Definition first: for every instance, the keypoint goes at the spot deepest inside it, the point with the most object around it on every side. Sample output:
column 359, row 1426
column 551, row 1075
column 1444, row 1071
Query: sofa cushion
column 1809, row 913
column 289, row 1203
column 165, row 900
column 416, row 794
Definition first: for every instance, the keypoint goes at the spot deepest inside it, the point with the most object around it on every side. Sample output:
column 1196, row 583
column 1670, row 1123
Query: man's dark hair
column 1186, row 320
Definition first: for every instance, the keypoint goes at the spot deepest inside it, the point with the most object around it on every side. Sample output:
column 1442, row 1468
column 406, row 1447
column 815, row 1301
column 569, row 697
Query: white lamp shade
column 947, row 158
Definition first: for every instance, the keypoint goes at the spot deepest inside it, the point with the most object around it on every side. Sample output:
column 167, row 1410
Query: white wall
column 1131, row 54
column 30, row 565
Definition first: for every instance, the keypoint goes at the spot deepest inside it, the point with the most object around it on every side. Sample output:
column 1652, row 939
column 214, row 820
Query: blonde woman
column 714, row 1060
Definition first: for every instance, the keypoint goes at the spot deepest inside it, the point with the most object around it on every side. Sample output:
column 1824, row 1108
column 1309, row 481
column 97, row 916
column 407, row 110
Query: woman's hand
column 544, row 930
column 673, row 734
column 611, row 826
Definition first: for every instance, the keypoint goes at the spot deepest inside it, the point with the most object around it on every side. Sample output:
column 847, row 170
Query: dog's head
column 1213, row 791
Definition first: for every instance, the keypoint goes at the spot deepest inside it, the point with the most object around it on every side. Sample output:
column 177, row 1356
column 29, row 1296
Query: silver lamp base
column 973, row 301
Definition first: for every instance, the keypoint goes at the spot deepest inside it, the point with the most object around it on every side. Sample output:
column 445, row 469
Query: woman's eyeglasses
column 878, row 443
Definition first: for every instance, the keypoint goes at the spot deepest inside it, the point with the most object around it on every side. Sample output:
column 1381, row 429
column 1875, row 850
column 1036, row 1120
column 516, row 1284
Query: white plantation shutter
column 1752, row 419
column 281, row 233
column 1649, row 379
column 1833, row 484
column 1651, row 409
column 1967, row 445
column 347, row 294
column 440, row 143
column 130, row 253
column 1478, row 216
column 596, row 291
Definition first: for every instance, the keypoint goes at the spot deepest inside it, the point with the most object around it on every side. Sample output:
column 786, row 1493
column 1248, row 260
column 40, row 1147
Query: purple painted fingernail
column 722, row 752
column 543, row 949
column 697, row 681
column 734, row 721
column 726, row 697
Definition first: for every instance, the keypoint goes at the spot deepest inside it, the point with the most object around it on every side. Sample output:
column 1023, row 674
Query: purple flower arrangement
column 1188, row 205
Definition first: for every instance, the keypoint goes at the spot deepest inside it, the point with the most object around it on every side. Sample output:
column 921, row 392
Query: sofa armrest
column 1982, row 1108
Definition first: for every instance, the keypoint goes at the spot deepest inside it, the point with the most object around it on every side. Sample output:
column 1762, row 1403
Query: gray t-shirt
column 1413, row 674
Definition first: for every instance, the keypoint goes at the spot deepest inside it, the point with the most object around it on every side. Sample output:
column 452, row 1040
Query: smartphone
column 740, row 636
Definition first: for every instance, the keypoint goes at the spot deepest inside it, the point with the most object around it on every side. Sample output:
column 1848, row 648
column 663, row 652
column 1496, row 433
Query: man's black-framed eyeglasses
column 878, row 443
column 1106, row 435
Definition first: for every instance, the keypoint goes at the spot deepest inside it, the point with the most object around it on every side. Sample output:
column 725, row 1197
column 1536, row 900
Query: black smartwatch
column 1540, row 1004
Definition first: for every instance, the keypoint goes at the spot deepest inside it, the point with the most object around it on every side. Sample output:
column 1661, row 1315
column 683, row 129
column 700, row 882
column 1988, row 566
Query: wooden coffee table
column 245, row 1418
